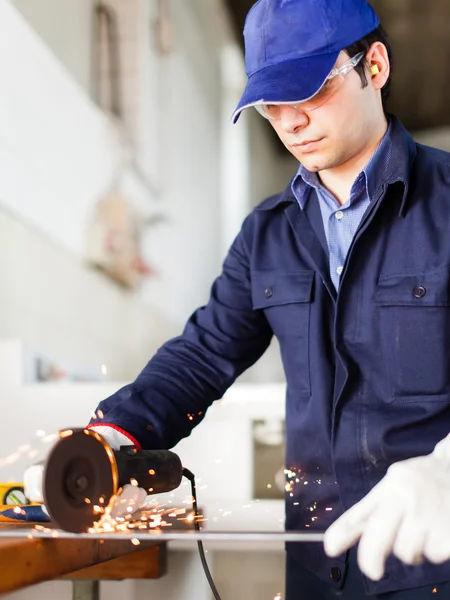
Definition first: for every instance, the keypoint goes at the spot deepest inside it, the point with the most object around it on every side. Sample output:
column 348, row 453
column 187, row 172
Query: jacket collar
column 403, row 154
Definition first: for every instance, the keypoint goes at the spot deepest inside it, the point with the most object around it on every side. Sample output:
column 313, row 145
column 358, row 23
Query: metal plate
column 79, row 476
column 168, row 535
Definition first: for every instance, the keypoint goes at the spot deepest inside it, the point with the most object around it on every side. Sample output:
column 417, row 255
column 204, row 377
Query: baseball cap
column 292, row 45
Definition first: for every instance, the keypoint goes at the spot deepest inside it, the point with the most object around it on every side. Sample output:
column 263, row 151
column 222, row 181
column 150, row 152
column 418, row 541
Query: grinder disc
column 80, row 476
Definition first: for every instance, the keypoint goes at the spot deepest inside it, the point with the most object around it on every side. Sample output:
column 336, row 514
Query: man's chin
column 314, row 165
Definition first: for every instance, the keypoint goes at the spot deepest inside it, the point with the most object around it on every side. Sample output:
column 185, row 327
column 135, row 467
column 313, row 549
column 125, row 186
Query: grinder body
column 83, row 472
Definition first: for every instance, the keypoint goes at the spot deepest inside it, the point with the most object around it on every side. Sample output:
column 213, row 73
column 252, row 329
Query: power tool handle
column 157, row 471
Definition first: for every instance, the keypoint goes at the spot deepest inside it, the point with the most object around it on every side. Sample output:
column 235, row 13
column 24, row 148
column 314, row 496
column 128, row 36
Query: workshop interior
column 123, row 185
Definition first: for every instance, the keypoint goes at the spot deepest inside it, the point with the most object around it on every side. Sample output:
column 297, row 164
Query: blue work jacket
column 367, row 367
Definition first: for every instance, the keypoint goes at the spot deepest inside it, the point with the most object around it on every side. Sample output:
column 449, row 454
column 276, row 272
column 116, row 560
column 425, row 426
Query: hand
column 407, row 514
column 130, row 499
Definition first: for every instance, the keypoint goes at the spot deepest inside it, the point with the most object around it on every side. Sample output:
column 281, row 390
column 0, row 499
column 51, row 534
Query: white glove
column 127, row 502
column 407, row 513
column 32, row 482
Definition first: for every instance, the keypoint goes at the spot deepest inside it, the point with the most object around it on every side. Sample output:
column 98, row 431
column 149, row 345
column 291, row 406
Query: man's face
column 338, row 131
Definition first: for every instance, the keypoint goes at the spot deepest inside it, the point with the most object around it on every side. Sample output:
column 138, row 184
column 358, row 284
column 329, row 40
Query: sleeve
column 220, row 341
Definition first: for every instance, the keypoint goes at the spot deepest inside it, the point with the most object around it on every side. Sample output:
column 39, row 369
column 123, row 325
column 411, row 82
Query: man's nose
column 293, row 118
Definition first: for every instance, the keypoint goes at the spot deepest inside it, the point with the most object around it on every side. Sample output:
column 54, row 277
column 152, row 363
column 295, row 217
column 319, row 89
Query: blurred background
column 123, row 181
column 122, row 185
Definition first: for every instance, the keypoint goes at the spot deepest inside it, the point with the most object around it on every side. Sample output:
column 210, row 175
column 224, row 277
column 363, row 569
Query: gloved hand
column 130, row 497
column 407, row 513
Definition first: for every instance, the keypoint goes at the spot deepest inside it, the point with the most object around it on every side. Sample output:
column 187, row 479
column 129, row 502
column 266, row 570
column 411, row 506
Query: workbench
column 28, row 561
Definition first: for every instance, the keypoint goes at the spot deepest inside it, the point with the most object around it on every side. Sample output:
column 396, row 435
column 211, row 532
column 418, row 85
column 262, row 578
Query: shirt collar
column 403, row 154
column 371, row 177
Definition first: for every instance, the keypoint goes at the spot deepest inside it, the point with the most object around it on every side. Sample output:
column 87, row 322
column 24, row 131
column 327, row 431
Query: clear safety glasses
column 332, row 84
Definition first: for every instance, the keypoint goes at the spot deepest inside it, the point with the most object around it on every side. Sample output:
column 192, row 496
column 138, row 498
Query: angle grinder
column 82, row 472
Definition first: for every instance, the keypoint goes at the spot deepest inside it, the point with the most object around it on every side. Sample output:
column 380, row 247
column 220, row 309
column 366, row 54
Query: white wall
column 187, row 250
column 66, row 27
column 69, row 313
column 61, row 154
column 58, row 151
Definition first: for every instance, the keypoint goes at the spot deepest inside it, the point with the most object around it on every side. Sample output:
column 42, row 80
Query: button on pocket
column 414, row 329
column 335, row 574
column 285, row 298
column 419, row 291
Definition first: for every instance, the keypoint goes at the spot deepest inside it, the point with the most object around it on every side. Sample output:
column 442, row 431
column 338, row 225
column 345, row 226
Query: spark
column 434, row 591
column 328, row 508
column 11, row 458
column 277, row 597
column 135, row 542
column 269, row 487
column 66, row 433
column 100, row 414
column 134, row 482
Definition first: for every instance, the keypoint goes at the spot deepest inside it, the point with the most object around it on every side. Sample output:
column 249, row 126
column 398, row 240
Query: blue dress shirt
column 341, row 222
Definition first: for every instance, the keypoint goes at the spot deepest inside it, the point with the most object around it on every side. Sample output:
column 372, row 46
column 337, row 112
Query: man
column 349, row 268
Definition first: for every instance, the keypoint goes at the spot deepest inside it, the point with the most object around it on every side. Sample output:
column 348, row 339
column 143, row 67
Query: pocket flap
column 414, row 290
column 272, row 288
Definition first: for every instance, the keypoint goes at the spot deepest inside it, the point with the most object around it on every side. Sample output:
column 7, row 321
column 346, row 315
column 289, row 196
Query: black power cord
column 189, row 475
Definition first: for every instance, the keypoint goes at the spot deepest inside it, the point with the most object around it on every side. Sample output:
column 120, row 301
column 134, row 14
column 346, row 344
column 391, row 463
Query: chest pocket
column 285, row 298
column 415, row 335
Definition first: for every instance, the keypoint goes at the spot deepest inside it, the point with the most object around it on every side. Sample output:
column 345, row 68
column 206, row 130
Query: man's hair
column 377, row 35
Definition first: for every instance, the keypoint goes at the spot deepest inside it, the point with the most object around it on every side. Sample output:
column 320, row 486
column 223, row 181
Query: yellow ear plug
column 374, row 70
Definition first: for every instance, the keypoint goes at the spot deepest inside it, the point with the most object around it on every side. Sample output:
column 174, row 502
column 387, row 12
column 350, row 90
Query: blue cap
column 292, row 45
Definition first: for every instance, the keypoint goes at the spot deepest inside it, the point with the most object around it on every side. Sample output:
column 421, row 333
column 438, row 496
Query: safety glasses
column 331, row 86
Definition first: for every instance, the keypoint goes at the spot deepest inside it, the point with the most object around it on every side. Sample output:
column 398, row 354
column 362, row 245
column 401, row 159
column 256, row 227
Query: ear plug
column 374, row 70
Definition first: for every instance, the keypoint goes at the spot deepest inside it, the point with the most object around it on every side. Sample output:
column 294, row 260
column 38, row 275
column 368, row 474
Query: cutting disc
column 79, row 479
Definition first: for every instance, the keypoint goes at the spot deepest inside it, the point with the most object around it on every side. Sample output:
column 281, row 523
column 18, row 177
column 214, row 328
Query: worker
column 349, row 268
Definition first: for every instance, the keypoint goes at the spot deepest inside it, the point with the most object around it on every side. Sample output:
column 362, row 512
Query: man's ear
column 377, row 58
